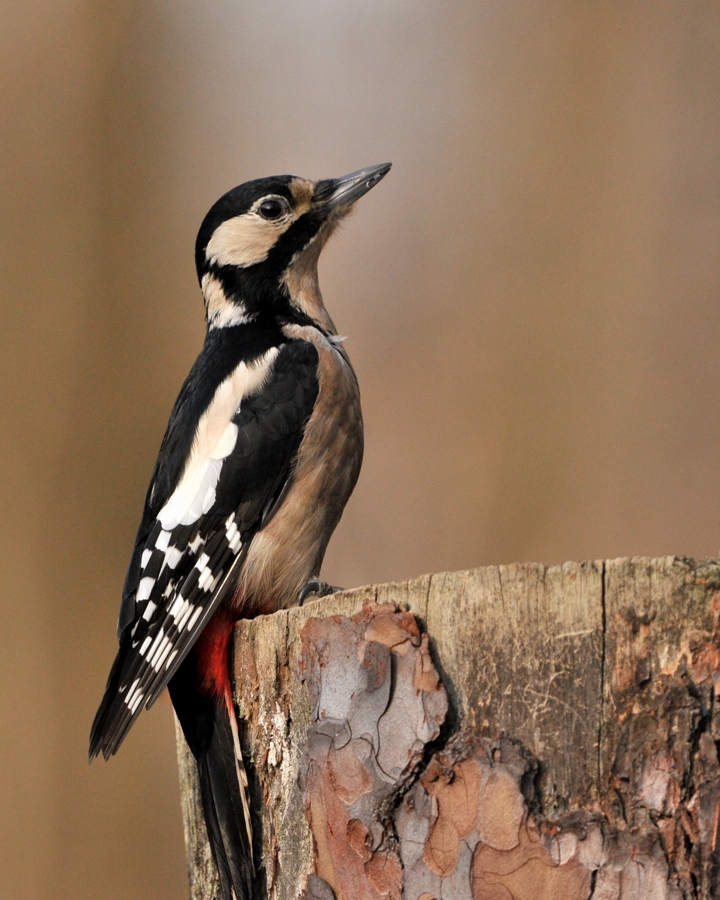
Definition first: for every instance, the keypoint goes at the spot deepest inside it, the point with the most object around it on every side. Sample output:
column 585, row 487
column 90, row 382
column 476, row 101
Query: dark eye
column 272, row 208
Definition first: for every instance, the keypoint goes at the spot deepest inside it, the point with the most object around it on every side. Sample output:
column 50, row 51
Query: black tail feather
column 225, row 817
column 107, row 712
column 211, row 734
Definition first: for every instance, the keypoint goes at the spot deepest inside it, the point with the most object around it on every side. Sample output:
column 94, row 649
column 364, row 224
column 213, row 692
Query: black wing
column 189, row 556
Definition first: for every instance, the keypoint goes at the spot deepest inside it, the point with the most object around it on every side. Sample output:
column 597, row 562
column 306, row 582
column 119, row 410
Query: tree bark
column 518, row 732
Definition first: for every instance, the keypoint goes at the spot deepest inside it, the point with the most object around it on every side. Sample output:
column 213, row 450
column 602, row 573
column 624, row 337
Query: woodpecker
column 261, row 453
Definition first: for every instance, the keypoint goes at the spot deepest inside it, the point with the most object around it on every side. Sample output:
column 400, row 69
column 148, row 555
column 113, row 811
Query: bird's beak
column 340, row 193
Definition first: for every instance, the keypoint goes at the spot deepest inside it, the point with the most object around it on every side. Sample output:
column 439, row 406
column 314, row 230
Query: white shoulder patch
column 215, row 440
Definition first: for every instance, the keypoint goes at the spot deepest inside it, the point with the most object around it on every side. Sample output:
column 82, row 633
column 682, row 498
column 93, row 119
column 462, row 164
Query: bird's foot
column 316, row 587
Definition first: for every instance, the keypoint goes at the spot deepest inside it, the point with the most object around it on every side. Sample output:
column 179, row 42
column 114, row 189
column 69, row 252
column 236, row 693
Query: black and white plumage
column 261, row 453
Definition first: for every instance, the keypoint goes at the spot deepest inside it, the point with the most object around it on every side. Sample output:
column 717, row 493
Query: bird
column 261, row 453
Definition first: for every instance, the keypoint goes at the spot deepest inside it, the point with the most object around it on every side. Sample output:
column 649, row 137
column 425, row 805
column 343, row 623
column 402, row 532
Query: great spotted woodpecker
column 261, row 453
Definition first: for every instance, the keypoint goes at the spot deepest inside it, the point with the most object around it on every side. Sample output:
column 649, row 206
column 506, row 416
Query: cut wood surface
column 517, row 732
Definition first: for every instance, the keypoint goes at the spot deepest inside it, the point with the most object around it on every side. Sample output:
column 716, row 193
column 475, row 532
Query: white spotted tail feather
column 165, row 631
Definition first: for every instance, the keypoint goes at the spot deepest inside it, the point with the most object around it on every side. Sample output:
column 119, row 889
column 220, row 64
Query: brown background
column 531, row 299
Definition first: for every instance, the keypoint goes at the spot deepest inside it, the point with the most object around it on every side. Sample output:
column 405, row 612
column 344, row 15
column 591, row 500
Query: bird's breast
column 290, row 548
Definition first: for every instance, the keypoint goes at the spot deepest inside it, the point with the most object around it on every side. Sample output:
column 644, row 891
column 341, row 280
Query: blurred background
column 531, row 299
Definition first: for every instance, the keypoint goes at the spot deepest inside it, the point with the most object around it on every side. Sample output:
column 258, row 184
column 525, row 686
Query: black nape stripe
column 267, row 303
column 295, row 316
column 251, row 287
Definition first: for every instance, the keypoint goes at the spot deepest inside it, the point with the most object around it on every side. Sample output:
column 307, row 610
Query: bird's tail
column 202, row 696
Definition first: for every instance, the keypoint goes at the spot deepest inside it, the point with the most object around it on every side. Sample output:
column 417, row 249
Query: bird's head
column 257, row 248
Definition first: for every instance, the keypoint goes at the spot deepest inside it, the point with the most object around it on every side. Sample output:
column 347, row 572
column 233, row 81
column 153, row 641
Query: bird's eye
column 272, row 208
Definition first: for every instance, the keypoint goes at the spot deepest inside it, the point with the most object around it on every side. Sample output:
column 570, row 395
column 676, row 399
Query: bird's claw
column 317, row 587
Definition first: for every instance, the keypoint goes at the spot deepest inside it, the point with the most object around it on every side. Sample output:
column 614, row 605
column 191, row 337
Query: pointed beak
column 339, row 193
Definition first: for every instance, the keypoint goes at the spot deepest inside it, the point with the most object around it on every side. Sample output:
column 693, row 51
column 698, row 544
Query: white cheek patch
column 245, row 240
column 215, row 440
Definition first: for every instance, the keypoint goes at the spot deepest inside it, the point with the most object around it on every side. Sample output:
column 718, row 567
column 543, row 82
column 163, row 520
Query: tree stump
column 517, row 732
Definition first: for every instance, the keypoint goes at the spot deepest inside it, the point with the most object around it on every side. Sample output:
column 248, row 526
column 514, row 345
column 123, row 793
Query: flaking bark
column 511, row 733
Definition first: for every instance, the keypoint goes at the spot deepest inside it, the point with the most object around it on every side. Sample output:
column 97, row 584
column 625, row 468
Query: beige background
column 531, row 299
